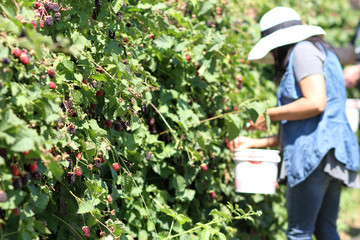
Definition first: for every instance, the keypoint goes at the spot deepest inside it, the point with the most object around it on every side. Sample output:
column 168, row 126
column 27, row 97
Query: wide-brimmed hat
column 279, row 27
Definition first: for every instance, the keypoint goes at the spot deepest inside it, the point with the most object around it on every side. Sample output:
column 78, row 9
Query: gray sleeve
column 308, row 60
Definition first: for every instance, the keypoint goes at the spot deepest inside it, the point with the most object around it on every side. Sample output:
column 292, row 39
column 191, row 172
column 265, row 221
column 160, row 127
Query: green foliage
column 155, row 87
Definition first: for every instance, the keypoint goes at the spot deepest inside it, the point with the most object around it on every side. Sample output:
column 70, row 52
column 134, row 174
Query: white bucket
column 352, row 113
column 256, row 170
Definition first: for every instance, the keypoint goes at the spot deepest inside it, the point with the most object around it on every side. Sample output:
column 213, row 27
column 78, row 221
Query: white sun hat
column 279, row 27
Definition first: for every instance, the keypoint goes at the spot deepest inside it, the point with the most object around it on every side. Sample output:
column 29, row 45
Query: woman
column 319, row 149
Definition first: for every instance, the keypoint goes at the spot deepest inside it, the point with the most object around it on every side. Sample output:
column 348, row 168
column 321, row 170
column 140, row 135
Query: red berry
column 51, row 72
column 16, row 211
column 108, row 123
column 16, row 52
column 37, row 4
column 242, row 60
column 86, row 231
column 41, row 23
column 14, row 170
column 235, row 108
column 126, row 40
column 26, row 152
column 52, row 85
column 102, row 160
column 116, row 166
column 34, row 23
column 99, row 69
column 152, row 36
column 78, row 171
column 109, row 198
column 79, row 155
column 240, row 79
column 188, row 58
column 99, row 93
column 24, row 58
column 33, row 167
column 85, row 81
column 204, row 167
column 212, row 194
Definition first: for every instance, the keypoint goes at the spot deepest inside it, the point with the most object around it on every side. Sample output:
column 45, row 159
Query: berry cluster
column 46, row 11
column 23, row 55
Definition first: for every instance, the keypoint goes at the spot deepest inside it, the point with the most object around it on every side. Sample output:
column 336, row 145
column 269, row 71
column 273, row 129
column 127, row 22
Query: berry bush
column 114, row 118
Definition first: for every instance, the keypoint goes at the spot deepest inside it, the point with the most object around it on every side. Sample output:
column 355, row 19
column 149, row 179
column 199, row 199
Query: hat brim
column 261, row 51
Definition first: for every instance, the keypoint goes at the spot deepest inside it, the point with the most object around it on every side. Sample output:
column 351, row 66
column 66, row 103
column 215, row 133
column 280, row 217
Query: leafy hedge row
column 114, row 115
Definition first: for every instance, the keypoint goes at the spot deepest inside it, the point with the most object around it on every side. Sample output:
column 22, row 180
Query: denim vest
column 304, row 143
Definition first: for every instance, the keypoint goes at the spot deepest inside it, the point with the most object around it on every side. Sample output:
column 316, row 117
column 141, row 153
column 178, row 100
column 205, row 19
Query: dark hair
column 281, row 55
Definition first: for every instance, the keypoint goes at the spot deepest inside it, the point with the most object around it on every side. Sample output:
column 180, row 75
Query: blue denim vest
column 305, row 142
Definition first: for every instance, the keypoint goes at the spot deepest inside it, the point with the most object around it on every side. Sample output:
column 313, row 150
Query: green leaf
column 77, row 97
column 41, row 227
column 164, row 42
column 255, row 109
column 206, row 7
column 85, row 207
column 116, row 5
column 55, row 169
column 179, row 183
column 23, row 145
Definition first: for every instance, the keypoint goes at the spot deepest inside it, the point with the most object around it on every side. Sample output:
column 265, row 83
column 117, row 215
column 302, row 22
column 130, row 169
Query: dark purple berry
column 16, row 183
column 71, row 165
column 94, row 84
column 179, row 159
column 128, row 24
column 36, row 175
column 6, row 60
column 53, row 6
column 57, row 16
column 120, row 15
column 111, row 34
column 98, row 3
column 24, row 178
column 72, row 113
column 97, row 163
column 148, row 156
column 117, row 126
column 49, row 20
column 71, row 177
column 70, row 103
column 72, row 129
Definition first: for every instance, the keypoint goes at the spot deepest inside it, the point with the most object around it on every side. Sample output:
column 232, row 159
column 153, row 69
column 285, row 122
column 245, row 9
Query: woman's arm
column 246, row 142
column 311, row 104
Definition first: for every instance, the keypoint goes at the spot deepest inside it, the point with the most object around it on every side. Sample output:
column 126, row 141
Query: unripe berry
column 109, row 198
column 16, row 52
column 33, row 167
column 204, row 167
column 188, row 58
column 108, row 123
column 116, row 166
column 37, row 4
column 212, row 194
column 14, row 170
column 86, row 231
column 78, row 155
column 24, row 58
column 16, row 211
column 99, row 93
column 78, row 171
column 52, row 85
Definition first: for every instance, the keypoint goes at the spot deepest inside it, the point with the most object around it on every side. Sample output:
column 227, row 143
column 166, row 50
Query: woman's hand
column 259, row 125
column 241, row 142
